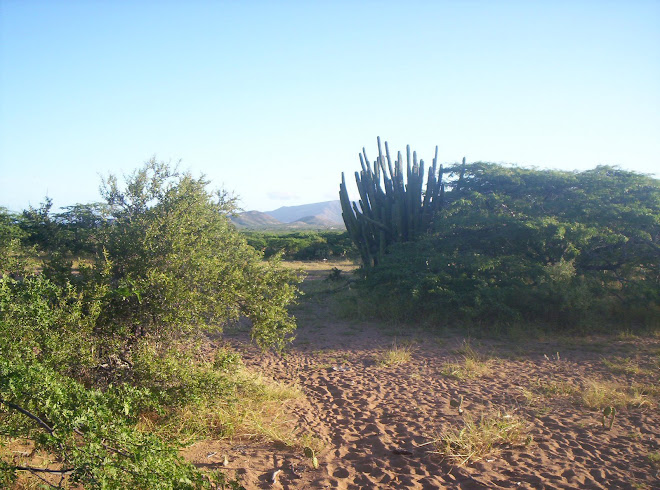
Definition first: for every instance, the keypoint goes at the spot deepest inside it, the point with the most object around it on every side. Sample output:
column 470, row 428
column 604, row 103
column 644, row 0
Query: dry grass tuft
column 554, row 388
column 473, row 365
column 541, row 390
column 467, row 369
column 596, row 394
column 626, row 335
column 395, row 355
column 482, row 437
column 647, row 389
column 654, row 459
column 319, row 265
column 623, row 365
column 260, row 414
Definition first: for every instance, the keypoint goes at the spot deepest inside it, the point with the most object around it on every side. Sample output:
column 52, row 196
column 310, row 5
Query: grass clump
column 395, row 355
column 654, row 459
column 647, row 389
column 626, row 335
column 594, row 394
column 597, row 394
column 473, row 364
column 553, row 388
column 467, row 369
column 251, row 407
column 541, row 390
column 623, row 365
column 469, row 352
column 481, row 437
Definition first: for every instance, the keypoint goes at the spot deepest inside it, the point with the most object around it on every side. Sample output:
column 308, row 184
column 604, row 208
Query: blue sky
column 273, row 100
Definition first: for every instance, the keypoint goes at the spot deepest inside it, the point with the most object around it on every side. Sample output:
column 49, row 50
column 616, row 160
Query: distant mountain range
column 317, row 216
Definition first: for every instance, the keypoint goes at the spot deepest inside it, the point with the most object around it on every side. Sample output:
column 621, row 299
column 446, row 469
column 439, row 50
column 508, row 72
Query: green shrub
column 16, row 259
column 90, row 432
column 43, row 322
column 173, row 263
column 515, row 245
column 85, row 354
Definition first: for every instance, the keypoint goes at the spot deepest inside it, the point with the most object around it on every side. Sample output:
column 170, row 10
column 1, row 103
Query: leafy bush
column 40, row 227
column 173, row 263
column 47, row 344
column 511, row 245
column 16, row 257
column 86, row 352
column 91, row 432
column 45, row 323
column 176, row 374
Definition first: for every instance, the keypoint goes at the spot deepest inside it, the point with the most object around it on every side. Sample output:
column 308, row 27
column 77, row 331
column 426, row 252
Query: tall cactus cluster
column 392, row 207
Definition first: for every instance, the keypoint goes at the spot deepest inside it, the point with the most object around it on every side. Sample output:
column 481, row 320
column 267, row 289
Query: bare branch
column 44, row 470
column 28, row 414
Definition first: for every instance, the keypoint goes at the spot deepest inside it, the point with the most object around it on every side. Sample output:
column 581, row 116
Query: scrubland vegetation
column 110, row 313
column 89, row 352
column 507, row 248
column 303, row 246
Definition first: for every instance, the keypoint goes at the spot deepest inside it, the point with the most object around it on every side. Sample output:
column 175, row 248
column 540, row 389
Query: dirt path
column 375, row 422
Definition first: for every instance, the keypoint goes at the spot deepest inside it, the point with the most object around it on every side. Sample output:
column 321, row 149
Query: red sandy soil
column 376, row 422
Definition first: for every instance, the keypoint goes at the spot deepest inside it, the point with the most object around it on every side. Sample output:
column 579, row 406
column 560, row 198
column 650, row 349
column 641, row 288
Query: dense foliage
column 14, row 254
column 174, row 262
column 311, row 245
column 564, row 249
column 91, row 431
column 74, row 230
column 86, row 350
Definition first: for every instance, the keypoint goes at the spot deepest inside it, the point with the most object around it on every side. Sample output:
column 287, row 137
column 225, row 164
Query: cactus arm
column 389, row 160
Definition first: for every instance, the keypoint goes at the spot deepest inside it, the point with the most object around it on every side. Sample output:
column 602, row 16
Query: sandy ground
column 375, row 423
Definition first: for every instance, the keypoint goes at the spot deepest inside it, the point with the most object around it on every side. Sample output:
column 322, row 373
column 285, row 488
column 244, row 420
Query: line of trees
column 303, row 245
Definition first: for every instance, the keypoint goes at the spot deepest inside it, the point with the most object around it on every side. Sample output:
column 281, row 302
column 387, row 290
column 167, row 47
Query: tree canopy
column 512, row 244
